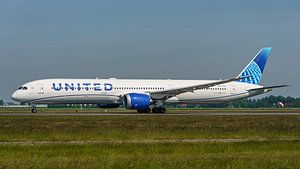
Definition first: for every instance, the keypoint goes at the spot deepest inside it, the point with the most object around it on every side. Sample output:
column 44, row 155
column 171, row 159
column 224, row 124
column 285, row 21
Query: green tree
column 1, row 102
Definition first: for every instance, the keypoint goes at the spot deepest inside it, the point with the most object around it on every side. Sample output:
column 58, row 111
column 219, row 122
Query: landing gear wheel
column 163, row 110
column 159, row 110
column 155, row 110
column 33, row 110
column 147, row 110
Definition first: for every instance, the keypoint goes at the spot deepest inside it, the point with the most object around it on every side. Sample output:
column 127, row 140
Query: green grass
column 66, row 128
column 275, row 142
column 284, row 154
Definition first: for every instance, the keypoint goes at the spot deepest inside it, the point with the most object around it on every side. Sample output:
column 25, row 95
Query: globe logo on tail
column 254, row 72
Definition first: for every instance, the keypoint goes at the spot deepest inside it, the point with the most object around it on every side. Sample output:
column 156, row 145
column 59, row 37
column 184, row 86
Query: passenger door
column 40, row 89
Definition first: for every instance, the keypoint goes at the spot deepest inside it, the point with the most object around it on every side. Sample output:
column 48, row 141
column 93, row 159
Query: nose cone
column 16, row 96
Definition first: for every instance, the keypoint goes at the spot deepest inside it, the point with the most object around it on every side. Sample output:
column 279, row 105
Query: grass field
column 177, row 155
column 150, row 142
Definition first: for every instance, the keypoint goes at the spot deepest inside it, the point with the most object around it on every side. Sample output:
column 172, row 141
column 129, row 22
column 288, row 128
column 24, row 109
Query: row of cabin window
column 214, row 89
column 139, row 88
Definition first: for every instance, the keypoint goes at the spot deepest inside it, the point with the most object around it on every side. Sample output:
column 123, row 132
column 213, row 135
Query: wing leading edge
column 173, row 92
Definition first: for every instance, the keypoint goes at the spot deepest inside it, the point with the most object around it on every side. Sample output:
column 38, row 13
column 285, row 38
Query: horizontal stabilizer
column 269, row 87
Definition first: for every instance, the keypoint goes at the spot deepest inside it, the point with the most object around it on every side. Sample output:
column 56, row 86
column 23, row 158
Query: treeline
column 266, row 102
column 1, row 102
column 270, row 101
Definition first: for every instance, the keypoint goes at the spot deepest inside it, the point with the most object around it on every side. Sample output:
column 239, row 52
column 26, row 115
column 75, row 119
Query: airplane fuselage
column 108, row 91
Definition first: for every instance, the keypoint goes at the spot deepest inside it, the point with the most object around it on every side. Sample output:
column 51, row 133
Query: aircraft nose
column 15, row 96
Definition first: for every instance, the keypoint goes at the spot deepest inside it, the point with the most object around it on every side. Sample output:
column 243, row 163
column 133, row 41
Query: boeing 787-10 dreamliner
column 146, row 95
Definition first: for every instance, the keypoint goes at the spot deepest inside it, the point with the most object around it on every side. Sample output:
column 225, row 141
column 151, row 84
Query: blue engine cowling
column 137, row 101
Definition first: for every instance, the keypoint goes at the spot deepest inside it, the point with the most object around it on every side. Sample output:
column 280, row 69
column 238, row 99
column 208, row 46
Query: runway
column 145, row 141
column 166, row 114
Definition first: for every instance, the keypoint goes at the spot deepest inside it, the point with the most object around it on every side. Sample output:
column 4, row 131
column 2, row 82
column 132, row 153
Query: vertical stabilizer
column 256, row 67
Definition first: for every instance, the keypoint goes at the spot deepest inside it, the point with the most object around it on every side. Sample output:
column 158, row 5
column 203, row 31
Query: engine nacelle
column 108, row 105
column 137, row 101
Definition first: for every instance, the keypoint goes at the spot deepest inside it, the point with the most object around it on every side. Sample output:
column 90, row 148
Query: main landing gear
column 154, row 110
column 159, row 110
column 147, row 110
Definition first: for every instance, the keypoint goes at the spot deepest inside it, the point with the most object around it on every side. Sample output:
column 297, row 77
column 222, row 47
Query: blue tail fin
column 256, row 67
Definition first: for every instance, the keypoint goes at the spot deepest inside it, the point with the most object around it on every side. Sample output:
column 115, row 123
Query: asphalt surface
column 144, row 141
column 151, row 114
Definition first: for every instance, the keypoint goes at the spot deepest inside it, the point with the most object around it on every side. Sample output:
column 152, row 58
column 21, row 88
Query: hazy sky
column 191, row 39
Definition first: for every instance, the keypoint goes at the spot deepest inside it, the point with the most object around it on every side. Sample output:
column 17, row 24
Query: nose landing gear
column 33, row 109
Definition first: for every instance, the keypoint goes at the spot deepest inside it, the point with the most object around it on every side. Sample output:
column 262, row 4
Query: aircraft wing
column 173, row 92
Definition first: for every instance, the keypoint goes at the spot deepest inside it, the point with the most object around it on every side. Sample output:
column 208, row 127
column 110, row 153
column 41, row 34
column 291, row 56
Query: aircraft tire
column 147, row 110
column 159, row 110
column 163, row 110
column 33, row 110
column 155, row 110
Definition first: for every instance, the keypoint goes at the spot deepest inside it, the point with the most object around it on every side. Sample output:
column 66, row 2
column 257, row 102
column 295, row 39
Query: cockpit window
column 22, row 88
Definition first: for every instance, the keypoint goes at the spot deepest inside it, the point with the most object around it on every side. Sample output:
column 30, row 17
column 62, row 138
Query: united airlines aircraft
column 146, row 95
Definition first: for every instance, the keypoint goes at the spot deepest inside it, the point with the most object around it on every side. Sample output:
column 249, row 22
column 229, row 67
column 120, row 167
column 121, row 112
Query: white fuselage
column 110, row 91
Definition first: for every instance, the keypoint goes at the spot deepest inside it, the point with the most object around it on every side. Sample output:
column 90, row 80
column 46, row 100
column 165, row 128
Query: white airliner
column 146, row 95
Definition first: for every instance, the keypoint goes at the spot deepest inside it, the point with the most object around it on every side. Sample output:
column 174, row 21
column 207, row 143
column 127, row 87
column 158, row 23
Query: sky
column 165, row 39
